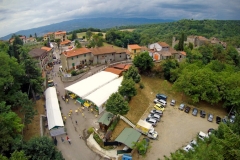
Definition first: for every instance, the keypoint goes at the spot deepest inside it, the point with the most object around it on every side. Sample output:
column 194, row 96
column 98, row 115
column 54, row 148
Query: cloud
column 26, row 14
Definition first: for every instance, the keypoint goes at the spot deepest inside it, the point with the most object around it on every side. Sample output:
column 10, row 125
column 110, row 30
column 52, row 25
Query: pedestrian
column 62, row 139
column 55, row 141
column 67, row 100
column 69, row 141
column 70, row 111
column 76, row 111
column 80, row 136
column 76, row 122
column 83, row 114
column 91, row 110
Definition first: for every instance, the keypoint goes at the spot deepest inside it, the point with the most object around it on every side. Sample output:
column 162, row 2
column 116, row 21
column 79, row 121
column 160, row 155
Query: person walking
column 69, row 141
column 62, row 139
column 76, row 122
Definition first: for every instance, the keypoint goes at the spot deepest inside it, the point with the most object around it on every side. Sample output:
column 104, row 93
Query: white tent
column 92, row 83
column 53, row 111
column 101, row 95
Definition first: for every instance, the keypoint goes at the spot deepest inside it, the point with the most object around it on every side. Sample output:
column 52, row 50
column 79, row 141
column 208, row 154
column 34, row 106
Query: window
column 84, row 55
column 134, row 50
column 72, row 58
column 85, row 60
column 77, row 56
column 120, row 56
column 112, row 54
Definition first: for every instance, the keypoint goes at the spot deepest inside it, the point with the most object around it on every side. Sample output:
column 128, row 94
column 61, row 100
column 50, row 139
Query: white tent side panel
column 90, row 84
column 53, row 111
column 102, row 94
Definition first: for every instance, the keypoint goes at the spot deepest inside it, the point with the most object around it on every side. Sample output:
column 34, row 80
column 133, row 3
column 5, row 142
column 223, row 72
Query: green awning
column 106, row 118
column 128, row 136
column 80, row 100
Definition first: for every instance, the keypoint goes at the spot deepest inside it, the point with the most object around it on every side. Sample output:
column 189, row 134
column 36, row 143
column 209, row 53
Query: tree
column 41, row 148
column 58, row 42
column 127, row 88
column 10, row 126
column 30, row 35
column 88, row 35
column 117, row 105
column 35, row 35
column 77, row 44
column 74, row 36
column 167, row 65
column 133, row 73
column 181, row 42
column 141, row 146
column 143, row 61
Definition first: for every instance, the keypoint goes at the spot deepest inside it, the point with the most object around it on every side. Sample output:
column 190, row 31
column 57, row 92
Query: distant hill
column 74, row 24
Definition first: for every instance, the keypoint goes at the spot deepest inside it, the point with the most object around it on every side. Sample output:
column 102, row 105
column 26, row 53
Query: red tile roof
column 127, row 66
column 60, row 32
column 163, row 44
column 134, row 46
column 46, row 48
column 119, row 66
column 183, row 53
column 76, row 52
column 102, row 50
column 65, row 42
column 114, row 70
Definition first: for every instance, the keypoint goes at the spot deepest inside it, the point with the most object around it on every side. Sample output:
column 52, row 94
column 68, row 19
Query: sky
column 16, row 15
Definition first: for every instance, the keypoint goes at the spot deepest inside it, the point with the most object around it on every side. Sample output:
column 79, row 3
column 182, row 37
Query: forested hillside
column 225, row 30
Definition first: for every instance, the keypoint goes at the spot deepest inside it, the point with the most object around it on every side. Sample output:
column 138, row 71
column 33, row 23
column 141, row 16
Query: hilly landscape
column 74, row 24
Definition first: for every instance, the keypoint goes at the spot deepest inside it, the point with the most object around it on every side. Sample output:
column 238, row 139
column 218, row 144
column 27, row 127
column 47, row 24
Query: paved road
column 78, row 149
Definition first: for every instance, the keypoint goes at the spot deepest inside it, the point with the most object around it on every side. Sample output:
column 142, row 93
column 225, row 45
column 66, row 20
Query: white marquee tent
column 86, row 86
column 55, row 122
column 101, row 95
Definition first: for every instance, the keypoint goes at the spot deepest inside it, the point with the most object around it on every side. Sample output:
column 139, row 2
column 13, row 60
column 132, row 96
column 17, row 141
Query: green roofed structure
column 128, row 136
column 105, row 121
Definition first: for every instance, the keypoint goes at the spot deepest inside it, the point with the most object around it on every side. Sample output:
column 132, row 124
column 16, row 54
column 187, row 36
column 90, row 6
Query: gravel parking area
column 176, row 129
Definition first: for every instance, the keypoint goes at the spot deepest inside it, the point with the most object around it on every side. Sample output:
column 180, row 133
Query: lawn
column 106, row 44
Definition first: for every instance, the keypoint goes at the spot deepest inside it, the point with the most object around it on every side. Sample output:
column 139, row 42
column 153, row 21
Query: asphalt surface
column 78, row 148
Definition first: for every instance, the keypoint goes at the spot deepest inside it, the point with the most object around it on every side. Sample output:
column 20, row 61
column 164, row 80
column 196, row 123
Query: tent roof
column 102, row 94
column 53, row 111
column 106, row 118
column 90, row 84
column 128, row 136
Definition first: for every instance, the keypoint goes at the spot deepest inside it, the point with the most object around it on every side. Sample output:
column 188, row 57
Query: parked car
column 202, row 113
column 195, row 111
column 142, row 150
column 159, row 107
column 218, row 119
column 161, row 96
column 202, row 135
column 210, row 117
column 154, row 116
column 182, row 106
column 187, row 109
column 193, row 143
column 157, row 112
column 173, row 102
column 210, row 131
column 162, row 102
column 188, row 148
column 232, row 118
column 225, row 119
column 152, row 121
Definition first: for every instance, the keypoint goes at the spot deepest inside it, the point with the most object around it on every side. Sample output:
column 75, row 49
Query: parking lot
column 177, row 128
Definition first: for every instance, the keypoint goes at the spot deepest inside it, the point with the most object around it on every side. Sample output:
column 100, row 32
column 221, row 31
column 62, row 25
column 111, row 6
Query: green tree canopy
column 133, row 73
column 143, row 61
column 77, row 44
column 74, row 36
column 117, row 105
column 41, row 148
column 127, row 88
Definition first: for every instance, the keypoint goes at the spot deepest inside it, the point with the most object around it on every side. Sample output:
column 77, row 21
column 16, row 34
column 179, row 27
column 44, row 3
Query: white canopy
column 53, row 111
column 102, row 94
column 92, row 83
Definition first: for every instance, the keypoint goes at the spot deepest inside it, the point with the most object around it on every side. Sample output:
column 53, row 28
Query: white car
column 188, row 148
column 160, row 101
column 154, row 116
column 202, row 135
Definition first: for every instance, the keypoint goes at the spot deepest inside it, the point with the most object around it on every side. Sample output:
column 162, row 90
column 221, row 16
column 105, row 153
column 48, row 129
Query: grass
column 130, row 30
column 106, row 44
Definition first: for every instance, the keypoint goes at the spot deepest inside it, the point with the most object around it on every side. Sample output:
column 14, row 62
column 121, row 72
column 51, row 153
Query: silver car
column 182, row 106
column 210, row 117
column 154, row 116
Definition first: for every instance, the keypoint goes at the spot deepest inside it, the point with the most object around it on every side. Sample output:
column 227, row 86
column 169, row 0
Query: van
column 202, row 135
column 161, row 96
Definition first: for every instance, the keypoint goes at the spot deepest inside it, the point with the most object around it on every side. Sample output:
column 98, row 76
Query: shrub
column 90, row 130
column 100, row 142
column 73, row 73
column 114, row 123
column 141, row 85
